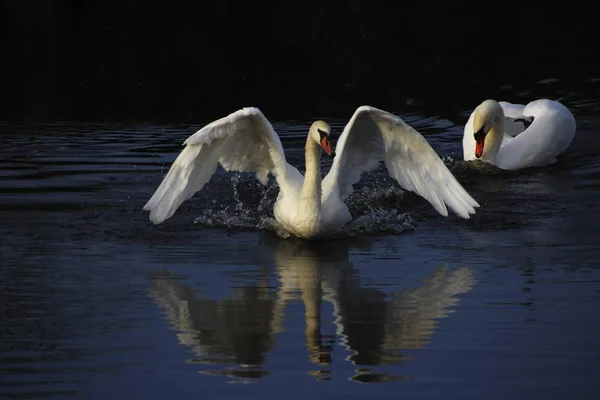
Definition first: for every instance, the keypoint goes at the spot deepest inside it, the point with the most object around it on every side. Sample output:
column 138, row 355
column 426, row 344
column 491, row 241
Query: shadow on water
column 371, row 328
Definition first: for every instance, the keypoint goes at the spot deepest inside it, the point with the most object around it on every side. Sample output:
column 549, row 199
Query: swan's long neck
column 493, row 141
column 310, row 196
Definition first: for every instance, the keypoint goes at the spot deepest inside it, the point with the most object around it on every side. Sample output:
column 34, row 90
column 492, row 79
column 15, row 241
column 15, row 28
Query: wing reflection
column 232, row 331
column 373, row 327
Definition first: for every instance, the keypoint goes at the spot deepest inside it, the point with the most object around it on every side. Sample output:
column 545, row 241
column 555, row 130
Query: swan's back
column 548, row 136
column 556, row 121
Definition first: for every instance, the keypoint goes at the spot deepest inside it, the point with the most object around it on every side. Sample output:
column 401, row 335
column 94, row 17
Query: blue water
column 98, row 303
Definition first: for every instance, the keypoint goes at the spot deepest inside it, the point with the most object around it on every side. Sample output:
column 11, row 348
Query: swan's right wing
column 512, row 112
column 374, row 135
column 243, row 141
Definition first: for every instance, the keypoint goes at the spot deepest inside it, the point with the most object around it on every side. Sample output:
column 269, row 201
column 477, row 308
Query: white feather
column 243, row 141
column 374, row 135
column 548, row 136
column 246, row 141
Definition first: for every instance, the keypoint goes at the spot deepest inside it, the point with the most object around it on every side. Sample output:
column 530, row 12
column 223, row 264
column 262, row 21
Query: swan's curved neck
column 493, row 142
column 310, row 196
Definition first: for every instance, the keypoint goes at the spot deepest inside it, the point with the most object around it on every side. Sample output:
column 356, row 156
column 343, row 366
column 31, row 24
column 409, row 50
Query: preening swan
column 308, row 206
column 494, row 133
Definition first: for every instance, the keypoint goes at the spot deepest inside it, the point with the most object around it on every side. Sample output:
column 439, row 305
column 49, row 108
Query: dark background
column 170, row 61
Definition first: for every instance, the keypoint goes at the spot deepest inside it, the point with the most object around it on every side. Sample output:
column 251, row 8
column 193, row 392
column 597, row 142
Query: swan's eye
column 322, row 134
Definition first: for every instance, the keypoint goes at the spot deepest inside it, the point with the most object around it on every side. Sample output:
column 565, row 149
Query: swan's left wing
column 374, row 135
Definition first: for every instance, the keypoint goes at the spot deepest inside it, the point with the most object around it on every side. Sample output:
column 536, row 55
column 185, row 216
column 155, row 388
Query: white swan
column 307, row 206
column 494, row 133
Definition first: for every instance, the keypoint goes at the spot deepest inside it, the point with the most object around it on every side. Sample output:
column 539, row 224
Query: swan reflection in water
column 373, row 327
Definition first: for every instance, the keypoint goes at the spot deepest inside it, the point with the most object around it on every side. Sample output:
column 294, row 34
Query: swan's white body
column 507, row 146
column 308, row 206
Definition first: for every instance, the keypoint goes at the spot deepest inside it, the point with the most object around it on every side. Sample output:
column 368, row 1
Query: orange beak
column 326, row 145
column 479, row 147
column 479, row 142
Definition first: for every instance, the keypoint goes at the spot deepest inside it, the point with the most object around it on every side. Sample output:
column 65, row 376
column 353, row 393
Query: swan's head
column 320, row 132
column 487, row 119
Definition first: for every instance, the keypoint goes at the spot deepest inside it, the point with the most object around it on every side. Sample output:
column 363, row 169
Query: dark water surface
column 96, row 302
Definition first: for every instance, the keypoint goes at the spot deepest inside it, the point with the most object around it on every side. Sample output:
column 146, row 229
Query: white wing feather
column 374, row 135
column 243, row 141
column 512, row 112
column 548, row 136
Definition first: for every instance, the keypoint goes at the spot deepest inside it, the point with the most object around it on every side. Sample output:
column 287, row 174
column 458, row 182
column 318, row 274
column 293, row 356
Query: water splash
column 375, row 205
column 379, row 221
column 449, row 160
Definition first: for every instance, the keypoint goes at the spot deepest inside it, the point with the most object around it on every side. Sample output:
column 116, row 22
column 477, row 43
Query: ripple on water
column 79, row 258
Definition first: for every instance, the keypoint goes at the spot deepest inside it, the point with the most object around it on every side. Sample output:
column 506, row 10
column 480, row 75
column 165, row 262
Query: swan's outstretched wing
column 374, row 135
column 243, row 141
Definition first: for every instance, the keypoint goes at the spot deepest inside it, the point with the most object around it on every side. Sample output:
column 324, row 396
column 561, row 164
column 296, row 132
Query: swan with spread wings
column 308, row 206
